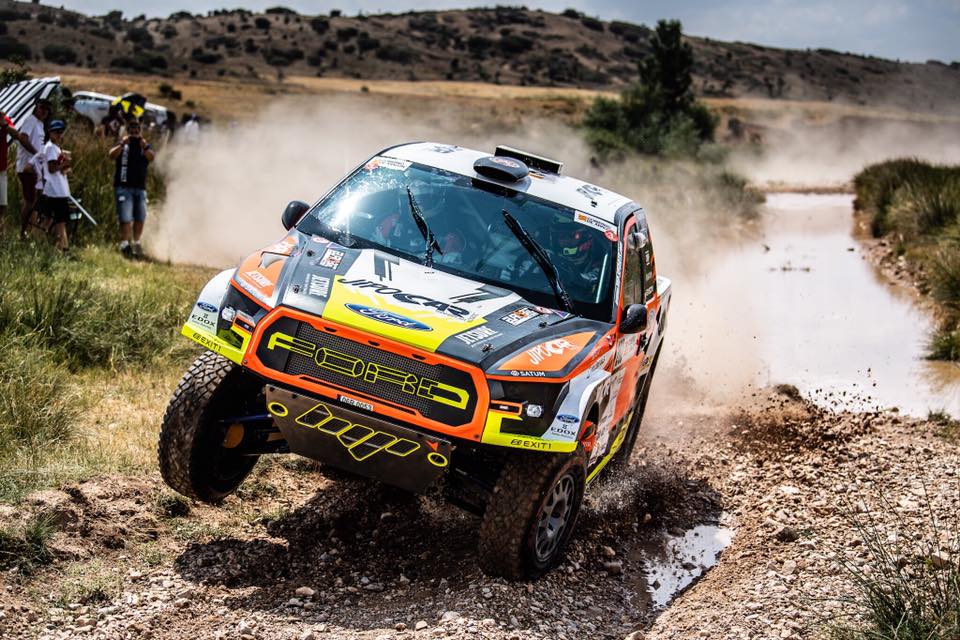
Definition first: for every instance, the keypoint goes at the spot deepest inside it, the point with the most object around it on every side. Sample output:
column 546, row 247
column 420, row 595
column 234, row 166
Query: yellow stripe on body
column 441, row 326
column 492, row 434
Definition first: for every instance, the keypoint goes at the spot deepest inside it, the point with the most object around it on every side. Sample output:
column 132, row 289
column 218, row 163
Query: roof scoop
column 502, row 169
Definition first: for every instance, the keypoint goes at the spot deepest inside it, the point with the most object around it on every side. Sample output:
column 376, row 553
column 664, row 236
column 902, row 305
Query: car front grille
column 438, row 392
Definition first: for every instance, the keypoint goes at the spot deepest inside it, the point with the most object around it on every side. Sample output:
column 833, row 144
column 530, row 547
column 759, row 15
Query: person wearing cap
column 131, row 155
column 33, row 130
column 8, row 128
column 55, row 201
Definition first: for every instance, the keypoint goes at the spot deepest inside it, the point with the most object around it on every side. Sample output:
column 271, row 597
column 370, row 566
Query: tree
column 659, row 115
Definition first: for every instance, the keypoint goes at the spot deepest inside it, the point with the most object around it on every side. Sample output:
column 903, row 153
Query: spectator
column 191, row 130
column 54, row 203
column 33, row 129
column 132, row 156
column 7, row 128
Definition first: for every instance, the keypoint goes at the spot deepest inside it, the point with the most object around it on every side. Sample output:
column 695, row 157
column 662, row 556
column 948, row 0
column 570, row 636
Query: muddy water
column 679, row 559
column 800, row 304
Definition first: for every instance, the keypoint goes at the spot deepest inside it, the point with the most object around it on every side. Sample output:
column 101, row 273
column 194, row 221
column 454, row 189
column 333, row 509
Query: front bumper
column 356, row 442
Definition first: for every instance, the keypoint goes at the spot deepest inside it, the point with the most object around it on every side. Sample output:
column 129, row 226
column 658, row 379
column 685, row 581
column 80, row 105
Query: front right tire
column 532, row 514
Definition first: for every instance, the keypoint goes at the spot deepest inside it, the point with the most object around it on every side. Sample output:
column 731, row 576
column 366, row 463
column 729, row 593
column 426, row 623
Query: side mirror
column 292, row 214
column 634, row 319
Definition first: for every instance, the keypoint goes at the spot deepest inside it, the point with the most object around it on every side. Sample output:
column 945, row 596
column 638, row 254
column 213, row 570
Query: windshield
column 372, row 209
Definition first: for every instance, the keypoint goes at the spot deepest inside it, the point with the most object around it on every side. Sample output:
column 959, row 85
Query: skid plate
column 356, row 442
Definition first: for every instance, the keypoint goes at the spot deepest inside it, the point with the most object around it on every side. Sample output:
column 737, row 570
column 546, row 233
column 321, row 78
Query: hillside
column 503, row 45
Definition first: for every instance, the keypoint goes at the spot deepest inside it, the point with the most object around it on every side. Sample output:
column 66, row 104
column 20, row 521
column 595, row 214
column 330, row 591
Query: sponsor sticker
column 552, row 355
column 528, row 374
column 590, row 221
column 521, row 315
column 568, row 419
column 444, row 148
column 318, row 286
column 443, row 308
column 386, row 162
column 388, row 317
column 331, row 259
column 590, row 191
column 206, row 306
column 258, row 278
column 479, row 334
column 204, row 319
column 366, row 406
column 505, row 162
column 284, row 247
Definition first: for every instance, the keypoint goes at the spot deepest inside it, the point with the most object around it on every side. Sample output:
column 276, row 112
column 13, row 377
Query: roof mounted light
column 531, row 160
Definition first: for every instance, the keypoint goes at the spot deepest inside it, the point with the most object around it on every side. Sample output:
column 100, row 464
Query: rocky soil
column 300, row 553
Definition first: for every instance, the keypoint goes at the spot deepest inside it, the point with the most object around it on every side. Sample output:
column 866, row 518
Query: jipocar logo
column 388, row 317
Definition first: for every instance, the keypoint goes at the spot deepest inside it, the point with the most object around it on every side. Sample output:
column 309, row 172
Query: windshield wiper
column 424, row 230
column 542, row 259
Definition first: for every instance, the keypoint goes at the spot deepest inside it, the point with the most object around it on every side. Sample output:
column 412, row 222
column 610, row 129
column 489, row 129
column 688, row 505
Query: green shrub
column 205, row 57
column 659, row 115
column 59, row 54
column 320, row 25
column 909, row 587
column 397, row 53
column 27, row 547
column 11, row 49
column 279, row 57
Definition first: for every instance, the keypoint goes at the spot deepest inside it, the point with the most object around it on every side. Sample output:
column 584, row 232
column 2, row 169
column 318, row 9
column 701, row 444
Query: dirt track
column 380, row 564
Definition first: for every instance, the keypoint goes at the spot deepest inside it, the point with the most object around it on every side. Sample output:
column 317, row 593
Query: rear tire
column 191, row 452
column 531, row 514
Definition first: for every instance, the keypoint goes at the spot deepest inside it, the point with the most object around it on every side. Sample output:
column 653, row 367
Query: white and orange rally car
column 442, row 318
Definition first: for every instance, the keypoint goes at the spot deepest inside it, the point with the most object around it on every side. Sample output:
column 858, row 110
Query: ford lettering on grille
column 367, row 373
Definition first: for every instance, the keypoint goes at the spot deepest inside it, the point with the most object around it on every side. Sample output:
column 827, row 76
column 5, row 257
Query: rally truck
column 443, row 320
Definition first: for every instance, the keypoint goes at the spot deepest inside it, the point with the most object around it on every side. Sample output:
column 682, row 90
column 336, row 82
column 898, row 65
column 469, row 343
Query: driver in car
column 578, row 258
column 399, row 230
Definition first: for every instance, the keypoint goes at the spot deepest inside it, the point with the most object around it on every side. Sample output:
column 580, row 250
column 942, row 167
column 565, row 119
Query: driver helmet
column 574, row 242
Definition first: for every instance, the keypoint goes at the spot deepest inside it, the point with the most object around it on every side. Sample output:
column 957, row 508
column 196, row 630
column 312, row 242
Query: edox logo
column 388, row 317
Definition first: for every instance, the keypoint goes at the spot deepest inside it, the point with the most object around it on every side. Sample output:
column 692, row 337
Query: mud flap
column 325, row 431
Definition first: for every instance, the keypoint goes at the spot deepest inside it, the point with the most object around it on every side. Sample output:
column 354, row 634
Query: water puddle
column 802, row 304
column 677, row 559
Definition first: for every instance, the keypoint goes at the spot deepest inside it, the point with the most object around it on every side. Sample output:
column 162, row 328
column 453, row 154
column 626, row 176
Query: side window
column 633, row 277
column 649, row 267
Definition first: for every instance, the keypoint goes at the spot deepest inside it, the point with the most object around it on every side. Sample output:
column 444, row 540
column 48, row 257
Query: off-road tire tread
column 178, row 432
column 523, row 483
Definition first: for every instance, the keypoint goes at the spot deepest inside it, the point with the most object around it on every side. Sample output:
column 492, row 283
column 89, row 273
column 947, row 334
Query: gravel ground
column 303, row 554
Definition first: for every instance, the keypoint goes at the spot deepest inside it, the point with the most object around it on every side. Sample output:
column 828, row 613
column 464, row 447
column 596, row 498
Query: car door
column 629, row 347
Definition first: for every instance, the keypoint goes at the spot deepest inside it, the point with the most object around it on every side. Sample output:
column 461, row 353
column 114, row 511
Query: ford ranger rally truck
column 442, row 320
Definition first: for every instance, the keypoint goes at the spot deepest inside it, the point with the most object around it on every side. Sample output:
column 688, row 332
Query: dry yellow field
column 238, row 99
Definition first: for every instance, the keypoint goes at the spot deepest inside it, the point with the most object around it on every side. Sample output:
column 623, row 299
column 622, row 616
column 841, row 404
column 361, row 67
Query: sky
column 913, row 30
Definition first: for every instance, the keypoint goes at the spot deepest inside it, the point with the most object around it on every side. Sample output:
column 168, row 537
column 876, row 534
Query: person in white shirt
column 34, row 131
column 191, row 130
column 55, row 201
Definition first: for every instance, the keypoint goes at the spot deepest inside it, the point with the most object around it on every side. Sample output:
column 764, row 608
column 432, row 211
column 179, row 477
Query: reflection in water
column 674, row 562
column 801, row 304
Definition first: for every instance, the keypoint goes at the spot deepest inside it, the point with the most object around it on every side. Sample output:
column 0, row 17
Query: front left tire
column 197, row 448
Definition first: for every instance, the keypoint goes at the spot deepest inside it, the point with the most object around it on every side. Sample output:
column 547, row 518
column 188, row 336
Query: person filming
column 132, row 155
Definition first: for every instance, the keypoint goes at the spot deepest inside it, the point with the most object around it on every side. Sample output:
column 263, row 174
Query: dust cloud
column 225, row 195
column 811, row 154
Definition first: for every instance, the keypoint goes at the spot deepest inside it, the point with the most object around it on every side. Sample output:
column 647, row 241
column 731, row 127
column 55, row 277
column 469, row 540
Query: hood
column 384, row 295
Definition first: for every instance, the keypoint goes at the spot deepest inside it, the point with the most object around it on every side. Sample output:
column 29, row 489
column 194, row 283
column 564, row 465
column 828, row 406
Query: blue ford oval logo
column 388, row 317
column 567, row 418
column 206, row 306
